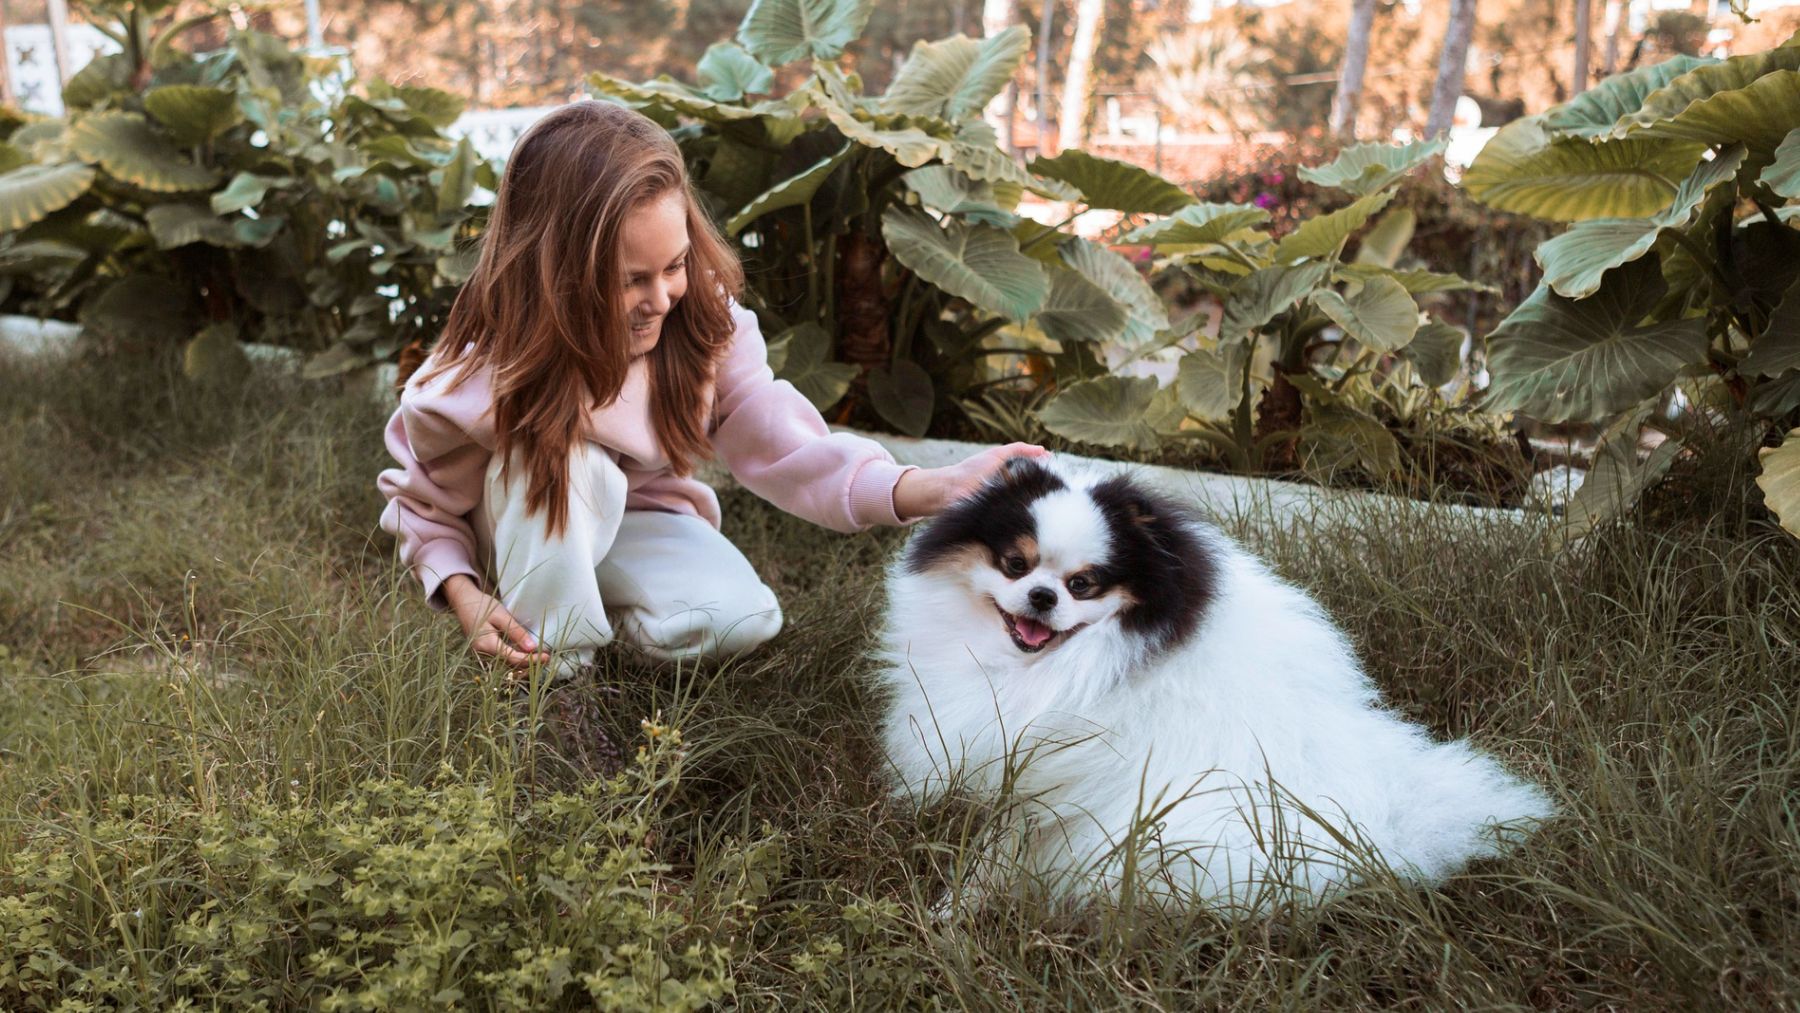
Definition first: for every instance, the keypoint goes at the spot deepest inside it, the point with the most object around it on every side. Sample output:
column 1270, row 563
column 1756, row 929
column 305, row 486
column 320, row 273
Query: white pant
column 669, row 583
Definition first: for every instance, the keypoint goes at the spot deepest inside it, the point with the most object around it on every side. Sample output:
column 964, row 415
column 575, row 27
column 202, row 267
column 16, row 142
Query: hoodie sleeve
column 441, row 467
column 775, row 442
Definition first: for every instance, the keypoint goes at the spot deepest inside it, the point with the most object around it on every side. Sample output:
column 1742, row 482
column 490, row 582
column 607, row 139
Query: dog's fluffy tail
column 1459, row 804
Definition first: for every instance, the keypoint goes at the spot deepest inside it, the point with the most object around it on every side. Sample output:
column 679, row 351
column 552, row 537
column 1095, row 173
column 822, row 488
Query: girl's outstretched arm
column 775, row 442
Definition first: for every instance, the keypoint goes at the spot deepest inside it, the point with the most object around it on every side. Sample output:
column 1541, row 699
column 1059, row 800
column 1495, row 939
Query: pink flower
column 1266, row 201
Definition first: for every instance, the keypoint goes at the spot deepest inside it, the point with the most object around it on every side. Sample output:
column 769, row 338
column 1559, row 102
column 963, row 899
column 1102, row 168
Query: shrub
column 250, row 191
column 1680, row 272
column 881, row 234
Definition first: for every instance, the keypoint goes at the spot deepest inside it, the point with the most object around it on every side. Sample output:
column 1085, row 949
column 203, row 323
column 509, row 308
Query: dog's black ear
column 1139, row 511
column 1021, row 468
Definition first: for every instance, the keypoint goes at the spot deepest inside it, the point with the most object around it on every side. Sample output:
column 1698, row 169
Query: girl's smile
column 653, row 251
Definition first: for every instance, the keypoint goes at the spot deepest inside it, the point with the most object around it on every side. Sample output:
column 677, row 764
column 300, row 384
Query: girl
column 545, row 449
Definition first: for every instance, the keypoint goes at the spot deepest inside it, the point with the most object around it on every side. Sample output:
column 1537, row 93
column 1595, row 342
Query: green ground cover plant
column 240, row 762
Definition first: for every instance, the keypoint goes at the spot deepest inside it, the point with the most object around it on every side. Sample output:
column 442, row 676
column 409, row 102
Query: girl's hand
column 924, row 492
column 492, row 630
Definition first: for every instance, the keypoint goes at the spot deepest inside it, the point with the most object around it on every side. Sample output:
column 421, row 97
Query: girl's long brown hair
column 544, row 310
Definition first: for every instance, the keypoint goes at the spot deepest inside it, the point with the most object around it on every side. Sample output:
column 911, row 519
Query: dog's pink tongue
column 1033, row 632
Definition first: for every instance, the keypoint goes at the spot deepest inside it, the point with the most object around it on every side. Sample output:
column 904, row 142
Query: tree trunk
column 1279, row 414
column 1583, row 15
column 1046, row 146
column 1452, row 67
column 997, row 17
column 862, row 306
column 1073, row 126
column 1615, row 19
column 1350, row 74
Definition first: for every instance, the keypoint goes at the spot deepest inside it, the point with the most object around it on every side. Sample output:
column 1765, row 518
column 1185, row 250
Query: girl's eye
column 676, row 268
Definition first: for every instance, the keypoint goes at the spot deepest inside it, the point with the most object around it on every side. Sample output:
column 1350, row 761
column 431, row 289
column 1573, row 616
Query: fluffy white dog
column 1174, row 717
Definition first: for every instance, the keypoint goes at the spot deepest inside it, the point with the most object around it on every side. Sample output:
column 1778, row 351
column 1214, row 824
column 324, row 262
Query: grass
column 224, row 712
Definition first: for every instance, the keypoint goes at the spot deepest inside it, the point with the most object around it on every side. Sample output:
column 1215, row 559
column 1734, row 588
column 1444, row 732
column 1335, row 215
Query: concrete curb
column 1259, row 502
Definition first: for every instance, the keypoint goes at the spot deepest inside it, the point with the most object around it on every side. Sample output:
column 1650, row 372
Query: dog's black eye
column 1081, row 585
column 1014, row 566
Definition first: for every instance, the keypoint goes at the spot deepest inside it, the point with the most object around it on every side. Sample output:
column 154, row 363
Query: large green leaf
column 976, row 262
column 910, row 146
column 791, row 192
column 1619, row 475
column 1108, row 411
column 1337, row 436
column 667, row 93
column 975, row 151
column 1780, row 481
column 1386, row 243
column 1260, row 295
column 1324, row 235
column 1079, row 310
column 1597, row 111
column 1777, row 349
column 246, row 190
column 1701, row 83
column 1436, row 352
column 805, row 354
column 903, row 396
column 1559, row 359
column 1783, row 175
column 782, row 31
column 1416, row 281
column 1523, row 170
column 457, row 182
column 1198, row 224
column 1759, row 115
column 1574, row 262
column 214, row 358
column 128, row 148
column 947, row 189
column 955, row 77
column 104, row 77
column 1211, row 380
column 32, row 193
column 1362, row 169
column 179, row 224
column 1145, row 314
column 1380, row 314
column 1109, row 183
column 435, row 106
column 727, row 73
column 193, row 113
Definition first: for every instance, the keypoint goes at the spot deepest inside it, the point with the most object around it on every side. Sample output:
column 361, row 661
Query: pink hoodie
column 766, row 432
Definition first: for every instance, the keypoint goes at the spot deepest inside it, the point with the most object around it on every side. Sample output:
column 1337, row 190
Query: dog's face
column 1044, row 559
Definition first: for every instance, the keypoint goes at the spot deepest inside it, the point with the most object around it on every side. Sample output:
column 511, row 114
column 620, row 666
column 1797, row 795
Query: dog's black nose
column 1042, row 598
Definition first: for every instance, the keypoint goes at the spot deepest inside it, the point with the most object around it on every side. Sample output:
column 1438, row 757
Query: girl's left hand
column 924, row 492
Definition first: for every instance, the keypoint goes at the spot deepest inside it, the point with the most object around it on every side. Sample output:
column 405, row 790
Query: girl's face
column 654, row 254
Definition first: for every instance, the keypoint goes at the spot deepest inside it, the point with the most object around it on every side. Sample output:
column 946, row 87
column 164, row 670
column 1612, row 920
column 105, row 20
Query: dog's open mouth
column 1031, row 636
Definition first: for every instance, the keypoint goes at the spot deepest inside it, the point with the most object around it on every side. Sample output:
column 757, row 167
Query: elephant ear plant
column 881, row 233
column 252, row 191
column 1316, row 354
column 1679, row 271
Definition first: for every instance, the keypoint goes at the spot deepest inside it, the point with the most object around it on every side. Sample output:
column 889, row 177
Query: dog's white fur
column 1252, row 762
